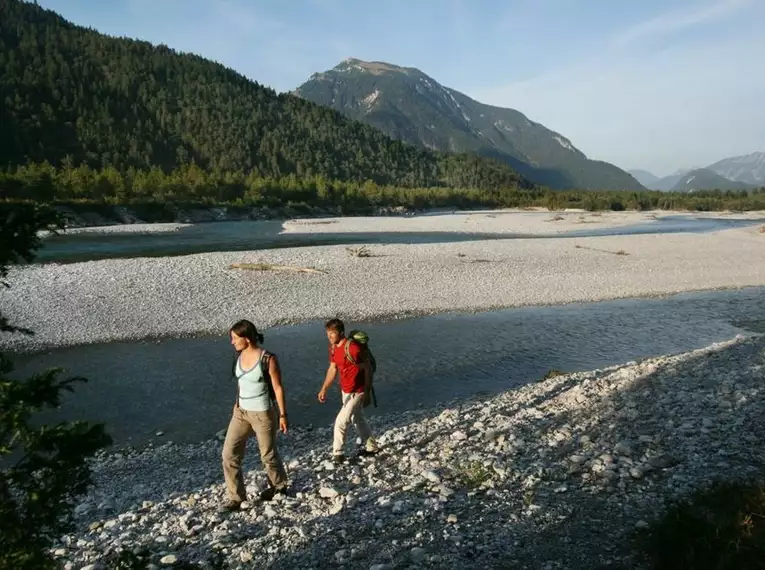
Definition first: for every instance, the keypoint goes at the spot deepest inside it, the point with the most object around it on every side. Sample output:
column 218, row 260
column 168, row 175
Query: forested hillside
column 72, row 96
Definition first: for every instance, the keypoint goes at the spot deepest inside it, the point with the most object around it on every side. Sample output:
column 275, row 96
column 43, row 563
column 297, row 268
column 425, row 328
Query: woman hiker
column 259, row 394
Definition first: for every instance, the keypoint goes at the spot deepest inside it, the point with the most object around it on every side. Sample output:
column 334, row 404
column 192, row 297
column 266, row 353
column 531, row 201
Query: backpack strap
column 265, row 362
column 347, row 347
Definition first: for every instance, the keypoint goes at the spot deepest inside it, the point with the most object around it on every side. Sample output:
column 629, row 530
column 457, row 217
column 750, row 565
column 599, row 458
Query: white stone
column 431, row 476
column 328, row 493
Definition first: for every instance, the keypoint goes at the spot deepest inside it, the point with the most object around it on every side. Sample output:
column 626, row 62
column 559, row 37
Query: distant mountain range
column 706, row 179
column 646, row 178
column 735, row 173
column 653, row 182
column 410, row 106
column 749, row 168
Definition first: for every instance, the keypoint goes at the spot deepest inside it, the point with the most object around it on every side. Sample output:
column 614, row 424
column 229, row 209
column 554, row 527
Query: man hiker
column 355, row 371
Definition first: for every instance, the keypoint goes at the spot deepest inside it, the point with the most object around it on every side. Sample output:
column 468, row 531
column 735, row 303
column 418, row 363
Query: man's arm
column 328, row 379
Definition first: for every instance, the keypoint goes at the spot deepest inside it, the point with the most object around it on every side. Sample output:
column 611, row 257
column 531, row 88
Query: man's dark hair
column 335, row 325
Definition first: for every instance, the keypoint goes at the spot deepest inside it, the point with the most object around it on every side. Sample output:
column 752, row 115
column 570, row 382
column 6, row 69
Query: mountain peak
column 352, row 64
column 409, row 105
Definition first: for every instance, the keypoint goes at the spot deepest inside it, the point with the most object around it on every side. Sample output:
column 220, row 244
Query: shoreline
column 125, row 222
column 31, row 349
column 455, row 484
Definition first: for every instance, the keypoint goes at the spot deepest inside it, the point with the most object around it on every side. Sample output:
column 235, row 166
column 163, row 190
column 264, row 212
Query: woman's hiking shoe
column 230, row 506
column 338, row 458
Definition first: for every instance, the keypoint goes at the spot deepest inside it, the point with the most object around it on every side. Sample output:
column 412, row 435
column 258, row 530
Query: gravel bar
column 556, row 474
column 141, row 228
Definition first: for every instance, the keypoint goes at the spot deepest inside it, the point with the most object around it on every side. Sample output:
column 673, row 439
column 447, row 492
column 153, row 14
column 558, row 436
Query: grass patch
column 620, row 252
column 361, row 251
column 556, row 219
column 552, row 373
column 721, row 528
column 473, row 474
column 273, row 267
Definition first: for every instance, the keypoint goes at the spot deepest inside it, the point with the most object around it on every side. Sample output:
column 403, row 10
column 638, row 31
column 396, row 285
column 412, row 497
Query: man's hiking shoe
column 230, row 506
column 338, row 458
column 371, row 448
column 271, row 492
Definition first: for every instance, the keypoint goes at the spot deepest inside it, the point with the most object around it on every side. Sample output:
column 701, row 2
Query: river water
column 183, row 388
column 248, row 235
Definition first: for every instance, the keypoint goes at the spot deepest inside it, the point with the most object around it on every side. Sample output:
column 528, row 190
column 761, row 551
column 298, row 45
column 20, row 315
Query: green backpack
column 362, row 339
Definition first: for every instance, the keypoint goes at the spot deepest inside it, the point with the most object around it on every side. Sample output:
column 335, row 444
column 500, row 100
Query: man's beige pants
column 351, row 412
column 243, row 423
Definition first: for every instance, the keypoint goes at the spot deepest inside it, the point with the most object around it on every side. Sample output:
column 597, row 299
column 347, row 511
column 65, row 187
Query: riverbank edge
column 27, row 348
column 92, row 216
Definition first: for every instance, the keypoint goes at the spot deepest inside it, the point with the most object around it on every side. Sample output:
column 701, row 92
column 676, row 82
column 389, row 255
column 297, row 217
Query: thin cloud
column 676, row 21
column 662, row 111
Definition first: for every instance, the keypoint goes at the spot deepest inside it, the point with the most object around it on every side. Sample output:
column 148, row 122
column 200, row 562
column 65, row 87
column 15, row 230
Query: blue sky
column 647, row 84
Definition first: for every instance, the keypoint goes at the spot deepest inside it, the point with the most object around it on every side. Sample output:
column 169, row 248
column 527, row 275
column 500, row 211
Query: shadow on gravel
column 708, row 430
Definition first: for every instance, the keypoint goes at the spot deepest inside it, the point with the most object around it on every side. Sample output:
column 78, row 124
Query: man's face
column 333, row 336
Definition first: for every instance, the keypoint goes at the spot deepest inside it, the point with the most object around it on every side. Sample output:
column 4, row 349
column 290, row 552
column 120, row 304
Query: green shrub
column 42, row 467
column 721, row 528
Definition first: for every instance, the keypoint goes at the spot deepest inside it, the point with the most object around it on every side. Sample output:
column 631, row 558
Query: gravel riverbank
column 555, row 474
column 138, row 228
column 121, row 299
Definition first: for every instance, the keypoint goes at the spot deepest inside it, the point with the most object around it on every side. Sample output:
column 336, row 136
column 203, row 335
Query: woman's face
column 239, row 342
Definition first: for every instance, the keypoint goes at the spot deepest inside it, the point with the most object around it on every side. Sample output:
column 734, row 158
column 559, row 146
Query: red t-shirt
column 351, row 375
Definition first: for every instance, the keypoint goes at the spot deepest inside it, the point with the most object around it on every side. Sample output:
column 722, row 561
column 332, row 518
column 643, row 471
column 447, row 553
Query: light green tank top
column 253, row 390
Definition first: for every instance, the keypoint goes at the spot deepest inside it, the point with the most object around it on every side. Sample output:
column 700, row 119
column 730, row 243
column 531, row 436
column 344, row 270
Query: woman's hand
column 283, row 424
column 322, row 395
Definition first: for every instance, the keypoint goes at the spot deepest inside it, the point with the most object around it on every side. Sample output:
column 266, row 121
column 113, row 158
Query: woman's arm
column 276, row 382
